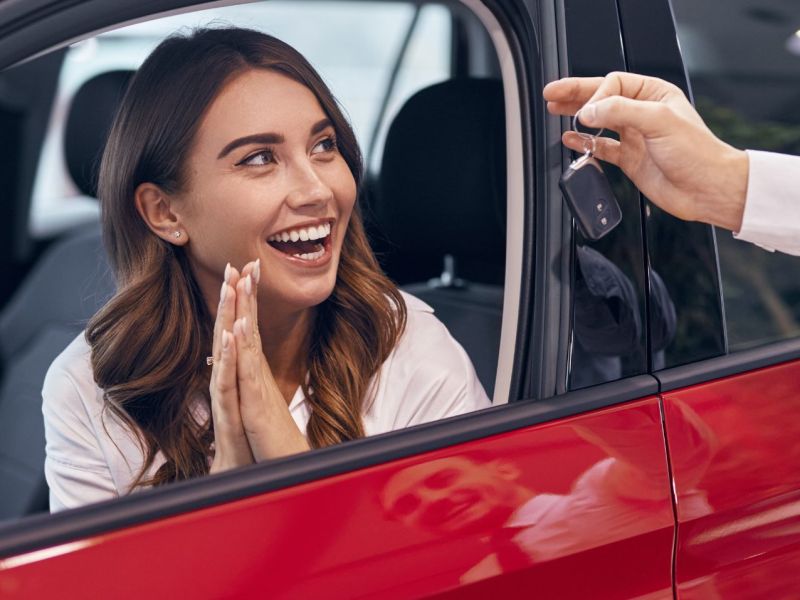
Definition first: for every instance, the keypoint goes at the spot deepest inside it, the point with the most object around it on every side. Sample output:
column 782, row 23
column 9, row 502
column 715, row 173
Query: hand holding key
column 664, row 146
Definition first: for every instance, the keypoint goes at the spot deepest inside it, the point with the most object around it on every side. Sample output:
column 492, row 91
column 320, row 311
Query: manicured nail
column 257, row 271
column 223, row 292
column 226, row 339
column 248, row 285
column 237, row 327
column 588, row 114
column 228, row 273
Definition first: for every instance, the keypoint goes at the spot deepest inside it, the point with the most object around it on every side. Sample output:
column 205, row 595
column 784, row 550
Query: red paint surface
column 737, row 477
column 589, row 497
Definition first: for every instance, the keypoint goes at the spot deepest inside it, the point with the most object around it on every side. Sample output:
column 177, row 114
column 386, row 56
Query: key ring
column 589, row 140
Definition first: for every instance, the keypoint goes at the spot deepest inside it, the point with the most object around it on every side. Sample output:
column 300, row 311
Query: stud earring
column 177, row 234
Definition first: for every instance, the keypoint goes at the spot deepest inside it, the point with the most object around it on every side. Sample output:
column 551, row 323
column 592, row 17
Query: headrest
column 90, row 116
column 442, row 186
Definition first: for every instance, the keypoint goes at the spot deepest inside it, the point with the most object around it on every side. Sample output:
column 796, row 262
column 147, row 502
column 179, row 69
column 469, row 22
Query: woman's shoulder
column 421, row 319
column 426, row 335
column 426, row 345
column 414, row 304
column 72, row 367
column 69, row 393
column 428, row 375
column 83, row 437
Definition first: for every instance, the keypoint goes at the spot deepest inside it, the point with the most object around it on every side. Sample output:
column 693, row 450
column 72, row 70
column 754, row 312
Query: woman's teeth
column 310, row 255
column 305, row 234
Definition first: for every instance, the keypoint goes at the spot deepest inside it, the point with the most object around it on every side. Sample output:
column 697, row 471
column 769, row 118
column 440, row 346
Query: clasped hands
column 251, row 419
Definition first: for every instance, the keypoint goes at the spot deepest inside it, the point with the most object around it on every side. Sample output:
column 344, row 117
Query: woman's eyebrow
column 268, row 138
column 320, row 125
column 256, row 138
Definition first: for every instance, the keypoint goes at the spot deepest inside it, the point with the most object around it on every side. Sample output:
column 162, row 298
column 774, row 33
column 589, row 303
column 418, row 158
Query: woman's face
column 266, row 180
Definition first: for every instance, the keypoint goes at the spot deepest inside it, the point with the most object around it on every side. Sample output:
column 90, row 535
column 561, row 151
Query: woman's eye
column 326, row 145
column 259, row 158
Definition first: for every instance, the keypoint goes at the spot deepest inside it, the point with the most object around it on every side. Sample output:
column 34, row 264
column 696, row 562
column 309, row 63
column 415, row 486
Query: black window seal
column 40, row 531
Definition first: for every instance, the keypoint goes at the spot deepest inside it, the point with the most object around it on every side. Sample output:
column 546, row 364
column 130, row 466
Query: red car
column 645, row 436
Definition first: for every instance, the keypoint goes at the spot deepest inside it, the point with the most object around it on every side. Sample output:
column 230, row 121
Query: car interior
column 434, row 202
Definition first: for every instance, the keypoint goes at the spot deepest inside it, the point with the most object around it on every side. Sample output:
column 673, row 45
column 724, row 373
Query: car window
column 389, row 65
column 742, row 66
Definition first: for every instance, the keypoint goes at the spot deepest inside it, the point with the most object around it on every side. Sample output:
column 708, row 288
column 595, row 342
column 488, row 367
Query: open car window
column 379, row 58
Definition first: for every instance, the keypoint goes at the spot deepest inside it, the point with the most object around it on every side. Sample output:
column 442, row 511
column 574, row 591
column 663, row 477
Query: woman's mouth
column 310, row 244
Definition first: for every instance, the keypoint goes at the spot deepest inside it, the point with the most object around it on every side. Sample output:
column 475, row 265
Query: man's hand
column 664, row 146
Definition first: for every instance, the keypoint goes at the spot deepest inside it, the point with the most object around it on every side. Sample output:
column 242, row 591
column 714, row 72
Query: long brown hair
column 149, row 342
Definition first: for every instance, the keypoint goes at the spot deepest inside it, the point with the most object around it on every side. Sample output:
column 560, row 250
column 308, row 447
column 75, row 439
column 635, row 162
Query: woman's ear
column 155, row 207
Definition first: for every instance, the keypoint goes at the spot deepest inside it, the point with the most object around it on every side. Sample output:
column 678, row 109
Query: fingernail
column 237, row 327
column 588, row 114
column 248, row 285
column 257, row 271
column 226, row 339
column 228, row 273
column 223, row 292
column 244, row 325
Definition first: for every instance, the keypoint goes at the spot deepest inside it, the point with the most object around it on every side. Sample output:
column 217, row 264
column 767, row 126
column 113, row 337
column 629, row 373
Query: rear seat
column 68, row 285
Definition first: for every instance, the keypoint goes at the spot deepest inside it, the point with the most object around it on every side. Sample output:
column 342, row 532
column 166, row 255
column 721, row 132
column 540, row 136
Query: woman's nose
column 307, row 188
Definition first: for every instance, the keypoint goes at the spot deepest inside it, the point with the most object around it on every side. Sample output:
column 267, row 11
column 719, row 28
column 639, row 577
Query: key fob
column 590, row 198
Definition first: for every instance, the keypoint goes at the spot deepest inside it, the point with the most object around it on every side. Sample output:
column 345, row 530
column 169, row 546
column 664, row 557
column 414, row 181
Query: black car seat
column 68, row 284
column 440, row 210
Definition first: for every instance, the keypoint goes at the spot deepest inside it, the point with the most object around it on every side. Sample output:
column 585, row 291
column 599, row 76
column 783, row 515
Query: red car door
column 573, row 508
column 562, row 493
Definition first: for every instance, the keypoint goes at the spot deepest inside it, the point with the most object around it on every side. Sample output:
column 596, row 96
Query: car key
column 589, row 195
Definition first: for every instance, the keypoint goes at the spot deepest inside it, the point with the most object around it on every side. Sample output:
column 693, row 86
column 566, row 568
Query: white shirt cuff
column 771, row 216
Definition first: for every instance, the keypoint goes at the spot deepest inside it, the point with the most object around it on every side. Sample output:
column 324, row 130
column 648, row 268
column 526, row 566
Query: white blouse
column 91, row 455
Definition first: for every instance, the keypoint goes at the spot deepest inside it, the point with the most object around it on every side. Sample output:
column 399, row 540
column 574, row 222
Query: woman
column 228, row 149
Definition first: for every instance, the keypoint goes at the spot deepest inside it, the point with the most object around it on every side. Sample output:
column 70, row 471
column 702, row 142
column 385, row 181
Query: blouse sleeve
column 772, row 207
column 75, row 467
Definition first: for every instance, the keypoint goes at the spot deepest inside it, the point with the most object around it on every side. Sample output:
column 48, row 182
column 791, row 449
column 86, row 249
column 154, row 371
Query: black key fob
column 590, row 198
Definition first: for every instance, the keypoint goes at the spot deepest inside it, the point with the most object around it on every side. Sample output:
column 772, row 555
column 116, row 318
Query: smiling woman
column 229, row 151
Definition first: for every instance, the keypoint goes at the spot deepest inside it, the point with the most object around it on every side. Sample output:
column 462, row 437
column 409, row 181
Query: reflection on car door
column 575, row 508
column 738, row 519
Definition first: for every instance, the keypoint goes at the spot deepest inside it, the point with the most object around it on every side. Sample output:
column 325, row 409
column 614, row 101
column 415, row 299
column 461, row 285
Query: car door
column 735, row 370
column 561, row 489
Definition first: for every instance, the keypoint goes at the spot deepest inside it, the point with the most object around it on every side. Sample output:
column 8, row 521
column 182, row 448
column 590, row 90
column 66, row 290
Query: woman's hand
column 232, row 448
column 664, row 146
column 268, row 424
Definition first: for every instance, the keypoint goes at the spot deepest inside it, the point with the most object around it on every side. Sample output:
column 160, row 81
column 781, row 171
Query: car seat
column 68, row 284
column 441, row 207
